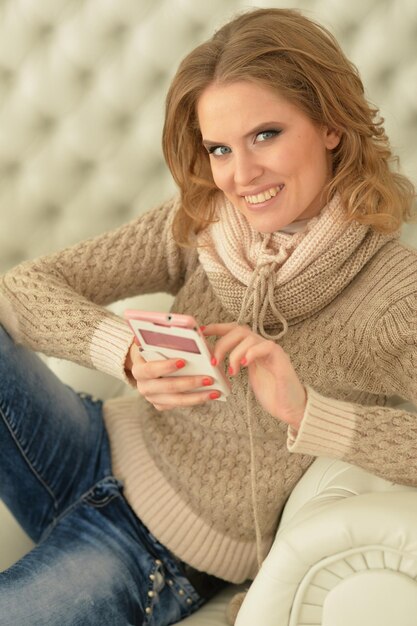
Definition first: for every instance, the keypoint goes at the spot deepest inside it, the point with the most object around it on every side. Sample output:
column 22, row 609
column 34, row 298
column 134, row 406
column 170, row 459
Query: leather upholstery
column 82, row 87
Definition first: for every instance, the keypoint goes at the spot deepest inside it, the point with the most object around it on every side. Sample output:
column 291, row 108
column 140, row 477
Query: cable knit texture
column 350, row 316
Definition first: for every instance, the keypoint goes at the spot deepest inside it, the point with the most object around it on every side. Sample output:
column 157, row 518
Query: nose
column 246, row 168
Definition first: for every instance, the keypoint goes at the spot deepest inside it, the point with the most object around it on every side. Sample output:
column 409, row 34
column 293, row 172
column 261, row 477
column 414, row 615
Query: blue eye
column 264, row 135
column 219, row 150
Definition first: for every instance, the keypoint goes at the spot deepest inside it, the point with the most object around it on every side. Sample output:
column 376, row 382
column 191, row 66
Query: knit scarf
column 270, row 281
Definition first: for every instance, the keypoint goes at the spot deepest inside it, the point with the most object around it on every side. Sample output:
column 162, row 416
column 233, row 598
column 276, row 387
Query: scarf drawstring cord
column 259, row 295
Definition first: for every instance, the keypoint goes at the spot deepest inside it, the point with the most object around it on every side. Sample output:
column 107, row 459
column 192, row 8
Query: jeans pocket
column 103, row 492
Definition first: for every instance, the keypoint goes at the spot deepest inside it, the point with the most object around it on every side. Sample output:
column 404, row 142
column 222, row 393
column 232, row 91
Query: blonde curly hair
column 302, row 61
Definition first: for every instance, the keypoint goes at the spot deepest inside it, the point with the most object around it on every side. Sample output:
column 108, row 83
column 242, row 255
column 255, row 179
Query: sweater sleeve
column 380, row 439
column 56, row 304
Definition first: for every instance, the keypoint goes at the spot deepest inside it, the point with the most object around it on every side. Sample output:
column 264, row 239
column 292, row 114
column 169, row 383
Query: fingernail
column 202, row 328
column 213, row 360
column 136, row 341
column 230, row 370
column 214, row 395
column 207, row 382
column 180, row 363
column 243, row 361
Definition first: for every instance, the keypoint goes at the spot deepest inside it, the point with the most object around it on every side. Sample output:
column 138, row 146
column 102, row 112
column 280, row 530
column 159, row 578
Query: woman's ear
column 331, row 137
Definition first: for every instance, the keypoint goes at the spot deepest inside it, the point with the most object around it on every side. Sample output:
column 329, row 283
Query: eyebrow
column 208, row 143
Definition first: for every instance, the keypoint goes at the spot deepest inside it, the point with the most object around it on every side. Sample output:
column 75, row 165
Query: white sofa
column 345, row 553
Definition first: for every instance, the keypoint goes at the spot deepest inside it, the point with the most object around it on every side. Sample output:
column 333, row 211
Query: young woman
column 283, row 243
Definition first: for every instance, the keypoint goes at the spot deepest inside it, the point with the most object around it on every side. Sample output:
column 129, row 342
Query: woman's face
column 269, row 159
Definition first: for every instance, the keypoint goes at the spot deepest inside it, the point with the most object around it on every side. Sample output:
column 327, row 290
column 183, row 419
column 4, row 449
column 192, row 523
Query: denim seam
column 29, row 463
column 73, row 505
column 151, row 586
column 101, row 503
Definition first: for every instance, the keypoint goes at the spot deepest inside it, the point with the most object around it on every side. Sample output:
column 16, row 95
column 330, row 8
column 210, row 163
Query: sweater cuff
column 327, row 428
column 110, row 345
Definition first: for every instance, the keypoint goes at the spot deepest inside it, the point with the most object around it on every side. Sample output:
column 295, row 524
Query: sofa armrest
column 345, row 553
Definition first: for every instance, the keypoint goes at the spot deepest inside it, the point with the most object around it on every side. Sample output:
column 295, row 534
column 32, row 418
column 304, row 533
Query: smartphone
column 174, row 336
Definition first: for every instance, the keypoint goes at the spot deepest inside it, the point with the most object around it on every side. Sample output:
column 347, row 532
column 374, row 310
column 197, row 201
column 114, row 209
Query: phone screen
column 162, row 340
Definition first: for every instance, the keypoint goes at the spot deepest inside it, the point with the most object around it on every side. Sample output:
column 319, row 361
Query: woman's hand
column 154, row 382
column 271, row 374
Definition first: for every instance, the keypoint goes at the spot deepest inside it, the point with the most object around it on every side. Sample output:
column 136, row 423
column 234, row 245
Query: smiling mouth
column 264, row 196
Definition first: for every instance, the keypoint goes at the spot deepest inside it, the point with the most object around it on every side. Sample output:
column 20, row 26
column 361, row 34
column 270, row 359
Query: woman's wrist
column 129, row 364
column 295, row 423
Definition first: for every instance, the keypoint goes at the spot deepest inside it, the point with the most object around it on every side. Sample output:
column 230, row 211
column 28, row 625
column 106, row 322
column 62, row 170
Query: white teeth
column 265, row 195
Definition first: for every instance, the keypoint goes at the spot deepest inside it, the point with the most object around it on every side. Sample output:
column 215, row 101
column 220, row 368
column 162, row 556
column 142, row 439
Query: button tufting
column 85, row 77
column 117, row 32
column 10, row 169
column 45, row 124
column 84, row 168
column 90, row 83
column 44, row 31
column 6, row 76
column 122, row 122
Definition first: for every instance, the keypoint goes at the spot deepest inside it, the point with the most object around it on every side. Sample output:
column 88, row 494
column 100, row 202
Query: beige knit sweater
column 352, row 329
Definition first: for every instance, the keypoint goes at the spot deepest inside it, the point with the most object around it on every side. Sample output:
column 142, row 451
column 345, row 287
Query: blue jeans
column 95, row 563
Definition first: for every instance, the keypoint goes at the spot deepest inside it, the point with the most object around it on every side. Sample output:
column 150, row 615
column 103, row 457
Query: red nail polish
column 207, row 382
column 180, row 363
column 243, row 361
column 214, row 395
column 202, row 328
column 213, row 360
column 230, row 370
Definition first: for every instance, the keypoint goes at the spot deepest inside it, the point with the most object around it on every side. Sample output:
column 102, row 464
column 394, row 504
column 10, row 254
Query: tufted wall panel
column 82, row 86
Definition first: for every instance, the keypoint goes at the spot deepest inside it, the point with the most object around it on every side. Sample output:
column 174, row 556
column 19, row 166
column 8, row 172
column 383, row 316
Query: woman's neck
column 295, row 227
